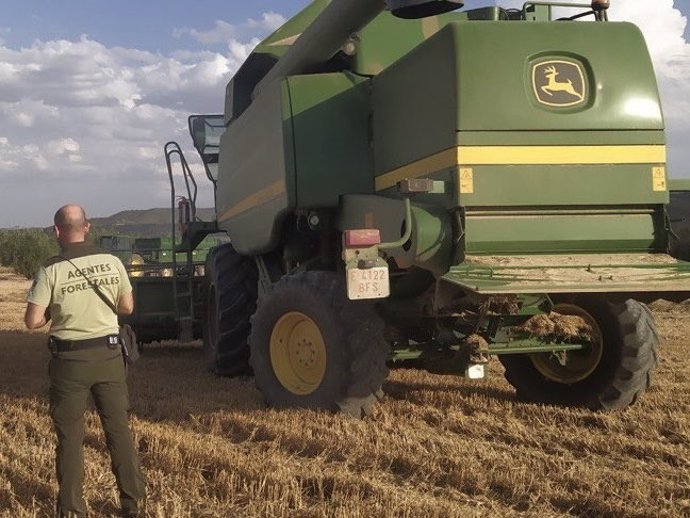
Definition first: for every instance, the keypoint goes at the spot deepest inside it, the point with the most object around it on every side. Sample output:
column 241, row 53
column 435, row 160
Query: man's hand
column 36, row 316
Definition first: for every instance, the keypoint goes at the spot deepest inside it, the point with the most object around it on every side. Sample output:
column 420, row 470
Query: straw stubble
column 437, row 446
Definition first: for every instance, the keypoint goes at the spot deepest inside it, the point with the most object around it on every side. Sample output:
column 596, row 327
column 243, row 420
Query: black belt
column 61, row 346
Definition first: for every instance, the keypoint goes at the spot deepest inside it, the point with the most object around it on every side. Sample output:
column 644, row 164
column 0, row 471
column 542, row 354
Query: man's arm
column 38, row 300
column 36, row 316
column 125, row 304
column 125, row 298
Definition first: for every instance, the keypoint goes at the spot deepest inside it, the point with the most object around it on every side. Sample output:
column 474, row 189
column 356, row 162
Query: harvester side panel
column 330, row 116
column 508, row 233
column 495, row 81
column 414, row 98
column 530, row 177
column 386, row 39
column 303, row 146
column 256, row 184
column 561, row 185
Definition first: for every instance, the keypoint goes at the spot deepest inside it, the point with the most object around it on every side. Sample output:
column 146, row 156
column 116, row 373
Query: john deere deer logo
column 559, row 83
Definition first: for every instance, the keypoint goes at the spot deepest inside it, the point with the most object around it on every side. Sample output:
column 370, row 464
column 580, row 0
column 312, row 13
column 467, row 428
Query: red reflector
column 362, row 237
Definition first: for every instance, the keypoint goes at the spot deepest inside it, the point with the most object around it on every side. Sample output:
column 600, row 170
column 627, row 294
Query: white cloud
column 83, row 121
column 81, row 110
column 241, row 51
column 40, row 162
column 63, row 146
column 7, row 165
column 149, row 152
column 24, row 119
column 223, row 31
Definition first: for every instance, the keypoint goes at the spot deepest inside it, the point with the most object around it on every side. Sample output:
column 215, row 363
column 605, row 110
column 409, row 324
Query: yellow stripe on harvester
column 258, row 198
column 469, row 156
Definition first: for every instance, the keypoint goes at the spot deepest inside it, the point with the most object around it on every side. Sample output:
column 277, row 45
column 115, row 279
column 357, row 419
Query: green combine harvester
column 167, row 289
column 404, row 182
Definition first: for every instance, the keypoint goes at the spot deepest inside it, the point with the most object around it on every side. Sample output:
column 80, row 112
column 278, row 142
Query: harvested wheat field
column 437, row 446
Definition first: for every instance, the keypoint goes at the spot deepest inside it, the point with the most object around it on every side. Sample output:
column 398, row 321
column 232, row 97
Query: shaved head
column 71, row 224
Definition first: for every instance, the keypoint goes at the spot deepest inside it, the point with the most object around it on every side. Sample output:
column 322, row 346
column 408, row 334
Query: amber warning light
column 362, row 237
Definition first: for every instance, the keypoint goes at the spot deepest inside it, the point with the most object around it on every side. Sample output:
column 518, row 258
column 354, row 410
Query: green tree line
column 25, row 250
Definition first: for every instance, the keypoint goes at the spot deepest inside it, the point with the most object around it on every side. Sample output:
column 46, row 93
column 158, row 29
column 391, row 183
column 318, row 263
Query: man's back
column 64, row 285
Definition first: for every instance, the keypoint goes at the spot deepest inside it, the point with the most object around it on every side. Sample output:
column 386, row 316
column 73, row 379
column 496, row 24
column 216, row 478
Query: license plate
column 368, row 284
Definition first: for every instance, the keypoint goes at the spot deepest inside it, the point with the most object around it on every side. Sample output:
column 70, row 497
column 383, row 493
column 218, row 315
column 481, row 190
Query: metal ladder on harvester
column 191, row 232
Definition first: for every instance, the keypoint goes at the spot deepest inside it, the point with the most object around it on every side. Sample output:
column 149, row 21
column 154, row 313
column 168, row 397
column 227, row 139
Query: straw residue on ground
column 437, row 446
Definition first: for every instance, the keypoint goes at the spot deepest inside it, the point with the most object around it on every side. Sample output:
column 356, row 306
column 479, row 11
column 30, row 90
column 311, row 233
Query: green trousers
column 73, row 377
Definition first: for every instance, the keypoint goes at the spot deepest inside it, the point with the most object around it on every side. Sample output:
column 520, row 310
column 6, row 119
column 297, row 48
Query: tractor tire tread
column 628, row 376
column 363, row 331
column 235, row 279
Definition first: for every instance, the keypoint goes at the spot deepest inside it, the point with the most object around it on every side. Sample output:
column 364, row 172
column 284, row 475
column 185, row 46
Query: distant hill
column 142, row 223
column 135, row 223
column 146, row 217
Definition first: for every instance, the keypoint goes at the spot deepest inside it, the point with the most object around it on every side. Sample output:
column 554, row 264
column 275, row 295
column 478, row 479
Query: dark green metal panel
column 622, row 90
column 256, row 186
column 153, row 297
column 561, row 138
column 563, row 185
column 512, row 234
column 679, row 184
column 386, row 39
column 471, row 85
column 154, row 308
column 414, row 104
column 330, row 120
column 479, row 73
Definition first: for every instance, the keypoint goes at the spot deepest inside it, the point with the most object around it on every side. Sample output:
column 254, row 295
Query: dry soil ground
column 437, row 446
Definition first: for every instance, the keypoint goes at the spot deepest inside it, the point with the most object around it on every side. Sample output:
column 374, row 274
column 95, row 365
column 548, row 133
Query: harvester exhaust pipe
column 338, row 21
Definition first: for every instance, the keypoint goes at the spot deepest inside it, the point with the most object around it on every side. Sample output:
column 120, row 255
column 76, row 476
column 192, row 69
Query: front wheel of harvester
column 611, row 373
column 230, row 293
column 311, row 347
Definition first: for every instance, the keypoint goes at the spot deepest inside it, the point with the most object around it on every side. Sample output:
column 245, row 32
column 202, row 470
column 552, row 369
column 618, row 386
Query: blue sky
column 143, row 24
column 92, row 89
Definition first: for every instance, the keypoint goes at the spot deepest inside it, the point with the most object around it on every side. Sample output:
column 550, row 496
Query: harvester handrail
column 599, row 15
column 173, row 148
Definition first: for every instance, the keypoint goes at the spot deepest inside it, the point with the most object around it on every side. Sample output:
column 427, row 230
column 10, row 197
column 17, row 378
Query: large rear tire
column 230, row 293
column 611, row 374
column 311, row 347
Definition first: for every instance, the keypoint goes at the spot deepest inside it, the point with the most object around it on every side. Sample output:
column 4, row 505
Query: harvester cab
column 404, row 181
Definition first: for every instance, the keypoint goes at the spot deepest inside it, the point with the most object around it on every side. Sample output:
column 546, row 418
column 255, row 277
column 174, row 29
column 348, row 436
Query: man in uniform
column 86, row 359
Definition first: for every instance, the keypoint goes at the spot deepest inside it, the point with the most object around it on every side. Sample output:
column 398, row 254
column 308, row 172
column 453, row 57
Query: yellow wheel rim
column 298, row 353
column 572, row 366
